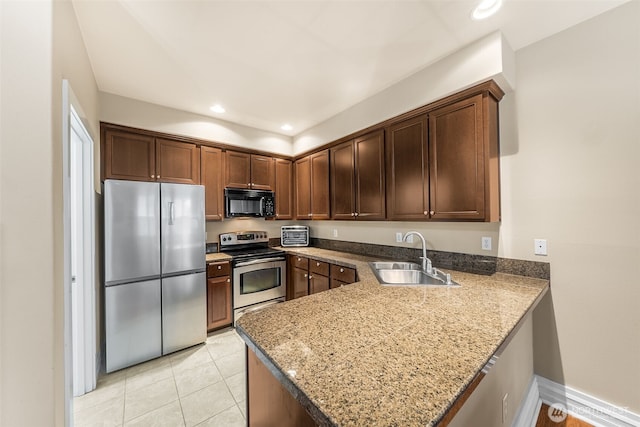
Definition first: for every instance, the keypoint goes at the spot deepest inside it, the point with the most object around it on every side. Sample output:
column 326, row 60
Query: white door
column 82, row 229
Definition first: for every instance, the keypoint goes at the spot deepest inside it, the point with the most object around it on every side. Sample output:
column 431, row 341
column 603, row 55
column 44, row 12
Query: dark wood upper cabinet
column 312, row 186
column 177, row 162
column 238, row 169
column 463, row 152
column 370, row 191
column 262, row 172
column 320, row 185
column 343, row 188
column 283, row 189
column 407, row 170
column 357, row 178
column 211, row 176
column 303, row 188
column 251, row 171
column 127, row 155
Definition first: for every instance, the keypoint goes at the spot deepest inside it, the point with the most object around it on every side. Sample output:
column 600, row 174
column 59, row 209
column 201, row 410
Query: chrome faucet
column 426, row 262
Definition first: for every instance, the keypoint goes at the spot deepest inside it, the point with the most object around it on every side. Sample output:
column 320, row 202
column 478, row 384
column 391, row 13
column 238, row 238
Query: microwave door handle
column 262, row 206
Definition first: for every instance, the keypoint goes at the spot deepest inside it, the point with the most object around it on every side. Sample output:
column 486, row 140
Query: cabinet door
column 342, row 181
column 303, row 188
column 128, row 156
column 262, row 171
column 318, row 283
column 369, row 185
column 218, row 302
column 300, row 282
column 456, row 153
column 407, row 170
column 320, row 185
column 283, row 190
column 211, row 178
column 177, row 162
column 238, row 169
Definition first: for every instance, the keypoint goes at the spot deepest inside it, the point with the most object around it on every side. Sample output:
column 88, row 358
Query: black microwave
column 248, row 203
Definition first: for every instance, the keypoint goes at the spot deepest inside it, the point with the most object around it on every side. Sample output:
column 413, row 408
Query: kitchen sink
column 388, row 265
column 409, row 274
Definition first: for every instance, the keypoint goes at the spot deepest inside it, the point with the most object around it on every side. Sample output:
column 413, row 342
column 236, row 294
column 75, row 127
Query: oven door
column 259, row 280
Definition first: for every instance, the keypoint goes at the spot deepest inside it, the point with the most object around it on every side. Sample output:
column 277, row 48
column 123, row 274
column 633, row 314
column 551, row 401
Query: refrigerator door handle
column 172, row 213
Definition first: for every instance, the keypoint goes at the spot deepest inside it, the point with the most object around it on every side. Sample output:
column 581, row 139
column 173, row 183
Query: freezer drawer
column 184, row 311
column 132, row 323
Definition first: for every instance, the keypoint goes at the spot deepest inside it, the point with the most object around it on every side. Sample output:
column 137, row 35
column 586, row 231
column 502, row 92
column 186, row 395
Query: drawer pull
column 317, row 264
column 219, row 267
column 342, row 270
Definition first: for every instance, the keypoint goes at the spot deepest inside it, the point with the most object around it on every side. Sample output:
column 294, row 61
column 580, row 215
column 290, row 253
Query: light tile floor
column 204, row 385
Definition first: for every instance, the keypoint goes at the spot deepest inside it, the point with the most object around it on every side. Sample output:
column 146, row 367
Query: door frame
column 73, row 118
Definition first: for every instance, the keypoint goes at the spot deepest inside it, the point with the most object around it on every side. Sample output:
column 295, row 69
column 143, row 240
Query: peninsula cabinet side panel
column 268, row 402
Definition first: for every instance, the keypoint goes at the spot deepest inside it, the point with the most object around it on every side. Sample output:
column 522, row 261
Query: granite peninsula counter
column 366, row 354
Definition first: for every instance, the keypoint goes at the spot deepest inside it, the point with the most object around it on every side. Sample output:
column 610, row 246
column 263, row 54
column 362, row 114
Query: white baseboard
column 578, row 404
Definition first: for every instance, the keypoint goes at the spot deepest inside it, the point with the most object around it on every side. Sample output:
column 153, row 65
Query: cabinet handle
column 317, row 264
column 153, row 176
column 305, row 275
column 158, row 177
column 219, row 267
column 431, row 213
column 309, row 214
column 228, row 280
column 310, row 276
column 299, row 259
column 357, row 214
column 426, row 213
column 342, row 270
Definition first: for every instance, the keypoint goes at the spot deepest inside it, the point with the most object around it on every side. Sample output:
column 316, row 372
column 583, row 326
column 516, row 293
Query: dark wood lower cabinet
column 219, row 309
column 309, row 276
column 268, row 402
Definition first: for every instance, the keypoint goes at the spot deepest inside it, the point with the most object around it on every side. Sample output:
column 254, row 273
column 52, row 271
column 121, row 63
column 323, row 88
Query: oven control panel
column 243, row 238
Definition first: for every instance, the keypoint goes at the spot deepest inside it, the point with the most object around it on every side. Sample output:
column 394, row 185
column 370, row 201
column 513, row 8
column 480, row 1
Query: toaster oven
column 294, row 235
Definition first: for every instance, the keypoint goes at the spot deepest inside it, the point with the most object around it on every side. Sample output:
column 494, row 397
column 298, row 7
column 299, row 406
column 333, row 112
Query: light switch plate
column 540, row 246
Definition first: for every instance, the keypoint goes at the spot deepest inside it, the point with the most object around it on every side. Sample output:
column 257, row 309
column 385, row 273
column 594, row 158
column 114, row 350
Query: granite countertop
column 366, row 354
column 217, row 256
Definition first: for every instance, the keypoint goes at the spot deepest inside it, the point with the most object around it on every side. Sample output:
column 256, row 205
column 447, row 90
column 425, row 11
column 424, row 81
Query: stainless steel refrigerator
column 155, row 285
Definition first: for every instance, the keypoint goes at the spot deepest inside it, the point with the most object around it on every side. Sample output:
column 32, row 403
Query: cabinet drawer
column 218, row 269
column 319, row 267
column 343, row 274
column 300, row 262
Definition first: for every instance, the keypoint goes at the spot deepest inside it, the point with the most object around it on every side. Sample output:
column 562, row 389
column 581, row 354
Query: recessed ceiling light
column 486, row 8
column 217, row 108
column 286, row 127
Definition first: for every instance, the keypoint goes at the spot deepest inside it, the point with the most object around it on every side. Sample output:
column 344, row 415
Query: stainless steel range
column 259, row 272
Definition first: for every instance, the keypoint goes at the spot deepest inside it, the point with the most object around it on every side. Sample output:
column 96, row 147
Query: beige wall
column 28, row 330
column 40, row 45
column 570, row 155
column 130, row 112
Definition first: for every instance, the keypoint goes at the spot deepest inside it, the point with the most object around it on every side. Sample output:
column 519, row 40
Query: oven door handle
column 259, row 261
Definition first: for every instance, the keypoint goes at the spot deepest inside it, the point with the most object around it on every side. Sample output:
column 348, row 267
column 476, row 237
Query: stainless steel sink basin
column 388, row 265
column 408, row 274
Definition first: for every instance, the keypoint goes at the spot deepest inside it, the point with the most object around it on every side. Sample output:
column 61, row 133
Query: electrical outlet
column 486, row 243
column 398, row 237
column 540, row 246
column 505, row 409
column 335, row 232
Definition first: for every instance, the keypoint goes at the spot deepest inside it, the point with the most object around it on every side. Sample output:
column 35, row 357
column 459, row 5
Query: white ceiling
column 298, row 62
